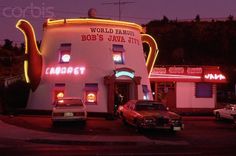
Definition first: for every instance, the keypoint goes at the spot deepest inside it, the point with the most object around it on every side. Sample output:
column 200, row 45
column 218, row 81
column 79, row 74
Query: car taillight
column 58, row 114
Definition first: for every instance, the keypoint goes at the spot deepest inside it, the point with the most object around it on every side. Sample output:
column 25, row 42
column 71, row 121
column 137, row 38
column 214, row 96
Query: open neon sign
column 65, row 70
column 214, row 77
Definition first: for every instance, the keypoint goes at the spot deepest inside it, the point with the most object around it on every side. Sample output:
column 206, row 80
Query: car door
column 132, row 113
column 126, row 111
column 129, row 112
column 226, row 112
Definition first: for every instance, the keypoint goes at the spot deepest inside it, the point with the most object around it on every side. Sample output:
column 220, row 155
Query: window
column 118, row 54
column 59, row 91
column 91, row 90
column 203, row 90
column 65, row 53
column 145, row 92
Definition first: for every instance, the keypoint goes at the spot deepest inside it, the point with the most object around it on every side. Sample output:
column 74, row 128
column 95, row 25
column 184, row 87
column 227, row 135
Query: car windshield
column 231, row 101
column 145, row 106
column 231, row 106
column 69, row 102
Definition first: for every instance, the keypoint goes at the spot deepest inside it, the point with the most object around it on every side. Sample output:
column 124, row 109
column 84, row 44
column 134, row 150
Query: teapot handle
column 153, row 51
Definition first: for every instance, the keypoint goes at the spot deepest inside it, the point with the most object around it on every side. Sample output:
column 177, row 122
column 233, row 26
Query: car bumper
column 75, row 118
column 178, row 127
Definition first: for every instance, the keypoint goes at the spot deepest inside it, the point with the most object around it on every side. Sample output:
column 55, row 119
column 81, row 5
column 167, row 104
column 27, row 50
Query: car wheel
column 55, row 123
column 83, row 122
column 138, row 126
column 218, row 117
column 172, row 131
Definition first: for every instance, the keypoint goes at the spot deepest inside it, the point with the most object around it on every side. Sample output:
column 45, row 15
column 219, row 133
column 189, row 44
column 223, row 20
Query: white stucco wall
column 95, row 56
column 185, row 97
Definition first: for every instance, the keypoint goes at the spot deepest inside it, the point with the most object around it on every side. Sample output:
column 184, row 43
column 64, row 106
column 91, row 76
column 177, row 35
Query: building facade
column 187, row 88
column 92, row 59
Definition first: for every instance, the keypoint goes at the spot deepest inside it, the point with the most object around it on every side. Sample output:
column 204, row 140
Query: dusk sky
column 138, row 11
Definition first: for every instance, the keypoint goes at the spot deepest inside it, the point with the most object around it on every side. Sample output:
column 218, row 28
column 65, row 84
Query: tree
column 165, row 20
column 230, row 18
column 8, row 44
column 197, row 18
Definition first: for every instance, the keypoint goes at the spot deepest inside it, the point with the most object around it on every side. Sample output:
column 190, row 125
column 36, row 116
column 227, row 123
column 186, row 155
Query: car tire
column 172, row 131
column 55, row 123
column 83, row 122
column 218, row 117
column 138, row 126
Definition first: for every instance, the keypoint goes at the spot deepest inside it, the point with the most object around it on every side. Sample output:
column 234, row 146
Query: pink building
column 187, row 88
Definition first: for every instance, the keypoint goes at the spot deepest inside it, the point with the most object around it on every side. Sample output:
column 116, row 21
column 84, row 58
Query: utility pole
column 118, row 3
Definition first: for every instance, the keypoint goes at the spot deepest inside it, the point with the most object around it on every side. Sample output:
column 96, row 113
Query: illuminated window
column 145, row 92
column 90, row 91
column 118, row 54
column 59, row 91
column 203, row 90
column 91, row 97
column 59, row 94
column 65, row 53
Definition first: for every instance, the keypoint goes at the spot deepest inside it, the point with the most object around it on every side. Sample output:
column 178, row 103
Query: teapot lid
column 59, row 22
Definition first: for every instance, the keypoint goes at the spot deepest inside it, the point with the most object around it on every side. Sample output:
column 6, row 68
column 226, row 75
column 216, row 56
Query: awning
column 187, row 74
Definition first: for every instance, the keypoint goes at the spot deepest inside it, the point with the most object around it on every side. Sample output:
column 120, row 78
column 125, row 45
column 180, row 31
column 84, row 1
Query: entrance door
column 128, row 88
column 123, row 90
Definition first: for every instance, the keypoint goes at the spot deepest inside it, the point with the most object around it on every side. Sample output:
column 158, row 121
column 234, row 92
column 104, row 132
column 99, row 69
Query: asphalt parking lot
column 93, row 126
column 98, row 125
column 202, row 135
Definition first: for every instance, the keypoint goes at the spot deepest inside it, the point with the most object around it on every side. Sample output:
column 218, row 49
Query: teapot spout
column 33, row 60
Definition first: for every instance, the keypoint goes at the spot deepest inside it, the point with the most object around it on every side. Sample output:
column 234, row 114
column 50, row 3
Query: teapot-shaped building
column 92, row 59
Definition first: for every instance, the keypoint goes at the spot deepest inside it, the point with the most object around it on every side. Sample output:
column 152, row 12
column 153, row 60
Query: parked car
column 234, row 118
column 150, row 114
column 69, row 109
column 228, row 112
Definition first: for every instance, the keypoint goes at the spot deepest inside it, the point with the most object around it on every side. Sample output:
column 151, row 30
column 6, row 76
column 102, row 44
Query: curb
column 106, row 143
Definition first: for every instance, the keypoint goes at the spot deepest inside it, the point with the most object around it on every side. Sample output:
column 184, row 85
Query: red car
column 150, row 114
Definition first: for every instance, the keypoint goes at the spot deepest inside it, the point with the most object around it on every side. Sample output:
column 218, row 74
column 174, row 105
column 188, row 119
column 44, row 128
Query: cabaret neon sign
column 214, row 77
column 79, row 70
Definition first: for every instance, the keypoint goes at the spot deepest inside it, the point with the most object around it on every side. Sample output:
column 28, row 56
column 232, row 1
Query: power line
column 118, row 3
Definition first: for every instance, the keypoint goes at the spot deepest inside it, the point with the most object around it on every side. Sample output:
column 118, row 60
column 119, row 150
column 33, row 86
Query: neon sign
column 92, row 21
column 65, row 70
column 214, row 77
column 124, row 73
column 178, row 70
